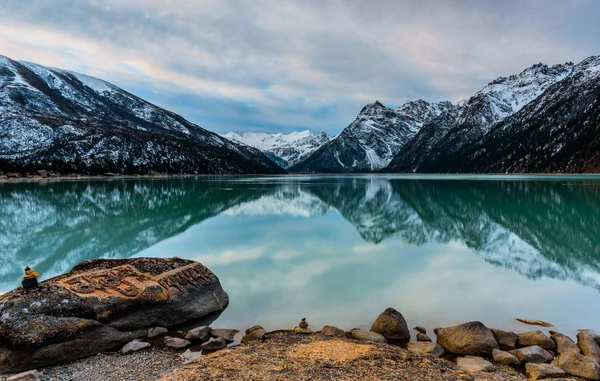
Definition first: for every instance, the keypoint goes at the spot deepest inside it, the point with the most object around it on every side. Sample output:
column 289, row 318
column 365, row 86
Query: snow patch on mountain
column 58, row 120
column 371, row 141
column 291, row 147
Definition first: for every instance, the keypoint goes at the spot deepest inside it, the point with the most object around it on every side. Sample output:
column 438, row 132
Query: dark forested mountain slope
column 67, row 122
column 439, row 142
column 559, row 132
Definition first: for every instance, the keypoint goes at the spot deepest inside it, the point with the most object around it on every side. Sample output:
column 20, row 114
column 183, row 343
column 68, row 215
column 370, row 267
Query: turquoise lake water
column 337, row 250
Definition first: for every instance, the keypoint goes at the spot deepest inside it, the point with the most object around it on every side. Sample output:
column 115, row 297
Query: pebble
column 137, row 366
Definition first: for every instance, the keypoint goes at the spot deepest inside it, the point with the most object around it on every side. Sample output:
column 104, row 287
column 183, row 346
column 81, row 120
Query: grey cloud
column 243, row 64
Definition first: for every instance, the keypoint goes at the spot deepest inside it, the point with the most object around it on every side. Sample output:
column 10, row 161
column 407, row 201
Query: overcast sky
column 279, row 66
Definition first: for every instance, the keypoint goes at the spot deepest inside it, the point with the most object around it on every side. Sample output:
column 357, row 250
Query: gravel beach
column 145, row 365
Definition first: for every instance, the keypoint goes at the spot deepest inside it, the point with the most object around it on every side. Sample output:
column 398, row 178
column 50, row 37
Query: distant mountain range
column 65, row 122
column 545, row 119
column 285, row 150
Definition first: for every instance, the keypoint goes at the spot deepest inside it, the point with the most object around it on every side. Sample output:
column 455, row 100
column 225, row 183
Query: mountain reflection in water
column 537, row 227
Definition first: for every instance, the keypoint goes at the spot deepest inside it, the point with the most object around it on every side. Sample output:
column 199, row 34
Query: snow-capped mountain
column 558, row 132
column 283, row 149
column 67, row 122
column 373, row 139
column 473, row 129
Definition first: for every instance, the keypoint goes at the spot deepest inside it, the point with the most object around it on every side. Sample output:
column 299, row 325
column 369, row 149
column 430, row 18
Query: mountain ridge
column 371, row 141
column 448, row 135
column 66, row 122
column 283, row 149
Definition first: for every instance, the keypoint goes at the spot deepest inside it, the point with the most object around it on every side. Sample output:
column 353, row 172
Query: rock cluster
column 99, row 306
column 534, row 349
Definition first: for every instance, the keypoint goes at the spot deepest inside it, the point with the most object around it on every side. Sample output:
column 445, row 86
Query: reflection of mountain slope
column 285, row 200
column 375, row 210
column 538, row 228
column 74, row 221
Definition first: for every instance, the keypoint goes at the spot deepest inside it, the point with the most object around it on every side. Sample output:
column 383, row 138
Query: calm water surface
column 335, row 249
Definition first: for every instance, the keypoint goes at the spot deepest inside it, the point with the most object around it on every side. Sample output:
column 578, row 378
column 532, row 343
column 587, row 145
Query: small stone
column 32, row 375
column 254, row 328
column 303, row 324
column 502, row 357
column 587, row 343
column 199, row 334
column 423, row 337
column 539, row 371
column 188, row 356
column 534, row 354
column 176, row 343
column 578, row 365
column 541, row 323
column 157, row 331
column 420, row 330
column 474, row 364
column 564, row 344
column 472, row 338
column 253, row 334
column 214, row 345
column 425, row 348
column 506, row 340
column 362, row 335
column 330, row 330
column 134, row 346
column 530, row 338
column 391, row 325
column 302, row 330
column 227, row 334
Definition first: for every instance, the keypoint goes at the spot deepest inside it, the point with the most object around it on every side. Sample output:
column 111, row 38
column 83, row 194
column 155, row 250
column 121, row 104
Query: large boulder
column 99, row 306
column 502, row 357
column 564, row 344
column 527, row 339
column 506, row 340
column 391, row 325
column 578, row 365
column 472, row 338
column 539, row 371
column 534, row 354
column 586, row 341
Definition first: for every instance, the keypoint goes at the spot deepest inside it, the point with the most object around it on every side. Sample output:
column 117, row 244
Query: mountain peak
column 283, row 149
column 68, row 122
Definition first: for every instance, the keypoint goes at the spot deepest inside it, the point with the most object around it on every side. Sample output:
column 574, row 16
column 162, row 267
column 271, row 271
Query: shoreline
column 299, row 353
column 13, row 178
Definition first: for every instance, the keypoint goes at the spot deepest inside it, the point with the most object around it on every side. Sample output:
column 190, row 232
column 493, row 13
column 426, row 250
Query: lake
column 337, row 250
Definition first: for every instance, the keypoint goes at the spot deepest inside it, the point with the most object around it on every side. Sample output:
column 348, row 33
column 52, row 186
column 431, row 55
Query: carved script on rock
column 126, row 281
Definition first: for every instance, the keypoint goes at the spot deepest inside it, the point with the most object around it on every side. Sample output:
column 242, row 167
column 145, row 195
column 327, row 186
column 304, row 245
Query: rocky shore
column 469, row 351
column 150, row 318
